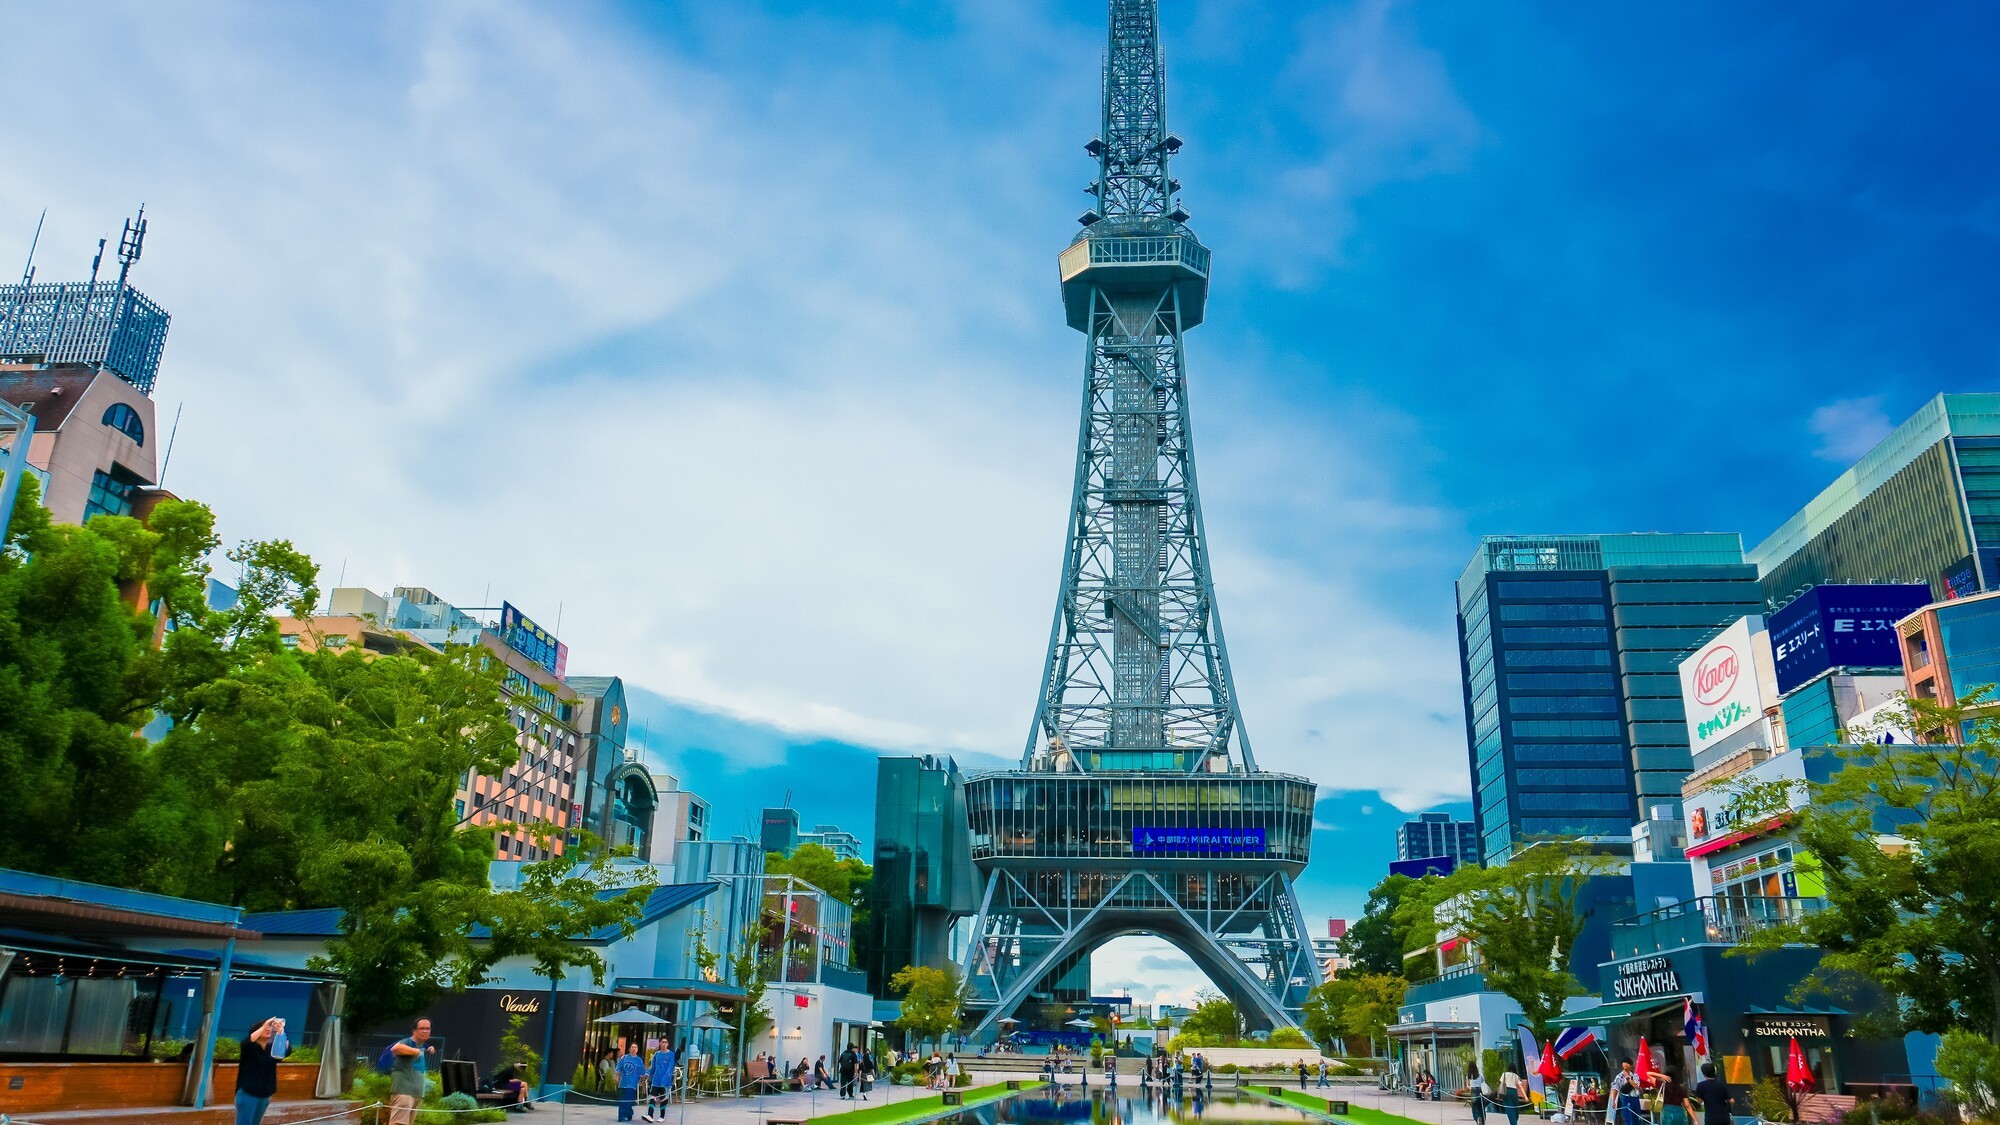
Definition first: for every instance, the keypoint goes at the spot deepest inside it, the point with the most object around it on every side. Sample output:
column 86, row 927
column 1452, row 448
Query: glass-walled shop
column 1125, row 816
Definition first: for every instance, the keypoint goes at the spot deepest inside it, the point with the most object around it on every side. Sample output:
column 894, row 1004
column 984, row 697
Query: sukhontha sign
column 1645, row 979
column 1203, row 840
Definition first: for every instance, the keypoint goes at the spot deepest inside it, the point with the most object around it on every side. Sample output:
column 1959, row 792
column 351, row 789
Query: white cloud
column 767, row 393
column 1849, row 428
column 1150, row 969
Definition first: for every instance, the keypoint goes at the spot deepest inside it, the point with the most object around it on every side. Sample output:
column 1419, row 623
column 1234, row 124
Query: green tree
column 1376, row 942
column 286, row 779
column 750, row 969
column 79, row 676
column 1354, row 1006
column 1215, row 1022
column 1912, row 914
column 933, row 1000
column 1521, row 918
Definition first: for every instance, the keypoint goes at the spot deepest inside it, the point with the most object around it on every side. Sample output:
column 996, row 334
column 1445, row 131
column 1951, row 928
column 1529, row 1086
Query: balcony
column 1459, row 981
column 1705, row 921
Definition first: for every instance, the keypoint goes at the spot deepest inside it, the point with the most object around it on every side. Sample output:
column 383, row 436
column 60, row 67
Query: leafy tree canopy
column 933, row 999
column 1354, row 1006
column 1376, row 942
column 1907, row 837
column 1521, row 918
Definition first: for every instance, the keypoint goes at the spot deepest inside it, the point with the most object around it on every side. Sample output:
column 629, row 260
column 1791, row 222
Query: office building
column 1436, row 834
column 1922, row 506
column 77, row 365
column 842, row 843
column 560, row 728
column 681, row 816
column 1569, row 646
column 781, row 830
column 1952, row 648
column 619, row 799
column 924, row 879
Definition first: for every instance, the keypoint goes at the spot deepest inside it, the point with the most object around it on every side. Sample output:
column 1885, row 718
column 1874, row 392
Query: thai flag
column 1574, row 1039
column 1697, row 1032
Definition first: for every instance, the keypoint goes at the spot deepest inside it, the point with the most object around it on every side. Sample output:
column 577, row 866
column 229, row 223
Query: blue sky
column 729, row 333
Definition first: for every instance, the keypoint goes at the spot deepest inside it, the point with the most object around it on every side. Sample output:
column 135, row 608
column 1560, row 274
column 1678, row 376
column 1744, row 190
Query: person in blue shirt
column 631, row 1068
column 661, row 1075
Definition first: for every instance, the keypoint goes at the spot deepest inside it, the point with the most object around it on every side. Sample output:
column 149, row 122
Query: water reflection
column 1133, row 1104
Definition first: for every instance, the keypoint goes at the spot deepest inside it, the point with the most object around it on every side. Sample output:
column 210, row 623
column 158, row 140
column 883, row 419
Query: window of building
column 1562, row 705
column 1554, row 634
column 125, row 420
column 110, row 494
column 1590, row 611
column 1558, row 658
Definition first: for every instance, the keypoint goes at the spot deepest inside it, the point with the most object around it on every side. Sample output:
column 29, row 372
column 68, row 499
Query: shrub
column 1290, row 1037
column 1768, row 1101
column 1900, row 1111
column 1972, row 1063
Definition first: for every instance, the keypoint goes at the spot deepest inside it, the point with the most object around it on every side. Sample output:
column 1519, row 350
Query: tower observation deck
column 1138, row 807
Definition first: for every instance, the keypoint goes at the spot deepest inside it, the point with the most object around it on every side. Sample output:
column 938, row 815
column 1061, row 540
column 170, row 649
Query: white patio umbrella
column 629, row 1015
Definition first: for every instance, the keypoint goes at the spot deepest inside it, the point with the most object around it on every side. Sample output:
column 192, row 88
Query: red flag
column 1798, row 1075
column 1549, row 1071
column 1642, row 1067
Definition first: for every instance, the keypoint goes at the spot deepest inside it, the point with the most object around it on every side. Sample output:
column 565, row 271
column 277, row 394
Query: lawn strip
column 921, row 1109
column 1312, row 1103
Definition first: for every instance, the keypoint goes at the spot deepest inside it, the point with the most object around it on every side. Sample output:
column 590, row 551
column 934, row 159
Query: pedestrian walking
column 1624, row 1093
column 867, row 1074
column 1322, row 1083
column 661, row 1076
column 1111, row 1069
column 1302, row 1074
column 1673, row 1100
column 1477, row 1081
column 849, row 1067
column 631, row 1068
column 951, row 1071
column 413, row 1057
column 257, row 1070
column 1712, row 1097
column 1510, row 1096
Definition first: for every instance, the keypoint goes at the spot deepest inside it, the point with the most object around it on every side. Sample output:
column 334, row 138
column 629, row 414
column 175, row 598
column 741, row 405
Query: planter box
column 1013, row 1083
column 954, row 1097
column 27, row 1088
column 1338, row 1109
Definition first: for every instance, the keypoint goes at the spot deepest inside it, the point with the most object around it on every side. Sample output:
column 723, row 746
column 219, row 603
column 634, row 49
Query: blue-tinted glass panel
column 1583, row 802
column 1554, row 635
column 1562, row 705
column 1557, row 658
column 1575, row 728
column 1593, row 611
column 1556, row 589
column 1594, row 778
column 1562, row 681
column 1531, row 752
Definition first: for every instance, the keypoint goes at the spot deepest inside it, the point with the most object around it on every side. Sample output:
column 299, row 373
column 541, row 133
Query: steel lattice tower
column 1138, row 807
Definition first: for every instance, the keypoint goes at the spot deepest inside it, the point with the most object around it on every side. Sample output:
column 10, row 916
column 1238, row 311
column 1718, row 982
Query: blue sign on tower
column 1841, row 627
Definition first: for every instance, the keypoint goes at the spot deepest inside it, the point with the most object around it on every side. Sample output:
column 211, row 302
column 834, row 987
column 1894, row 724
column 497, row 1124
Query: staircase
column 1824, row 1109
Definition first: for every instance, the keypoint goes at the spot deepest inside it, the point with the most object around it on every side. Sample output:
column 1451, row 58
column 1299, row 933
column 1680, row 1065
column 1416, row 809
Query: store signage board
column 1152, row 840
column 1841, row 626
column 1722, row 684
column 531, row 640
column 1786, row 1027
column 1645, row 979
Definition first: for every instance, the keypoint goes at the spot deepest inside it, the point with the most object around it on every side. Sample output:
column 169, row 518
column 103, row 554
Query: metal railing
column 1725, row 920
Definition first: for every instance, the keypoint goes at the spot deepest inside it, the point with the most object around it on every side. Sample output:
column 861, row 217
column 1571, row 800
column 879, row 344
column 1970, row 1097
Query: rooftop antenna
column 130, row 243
column 173, row 433
column 27, row 279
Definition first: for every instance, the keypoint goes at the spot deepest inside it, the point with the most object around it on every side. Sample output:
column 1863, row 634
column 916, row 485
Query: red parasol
column 1549, row 1070
column 1798, row 1075
column 1642, row 1067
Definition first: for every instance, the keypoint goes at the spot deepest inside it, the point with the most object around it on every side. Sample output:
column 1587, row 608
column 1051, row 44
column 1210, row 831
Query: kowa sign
column 1722, row 687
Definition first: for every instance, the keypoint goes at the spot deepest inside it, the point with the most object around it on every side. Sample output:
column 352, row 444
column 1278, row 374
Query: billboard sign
column 1418, row 868
column 1841, row 627
column 529, row 639
column 1721, row 688
column 1150, row 840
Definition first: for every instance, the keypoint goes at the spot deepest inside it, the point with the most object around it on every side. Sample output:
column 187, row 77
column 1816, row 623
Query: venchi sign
column 520, row 1005
column 1645, row 979
column 1720, row 684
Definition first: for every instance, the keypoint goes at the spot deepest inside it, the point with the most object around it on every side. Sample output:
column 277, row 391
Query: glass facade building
column 1569, row 647
column 1922, row 506
column 924, row 879
column 1436, row 834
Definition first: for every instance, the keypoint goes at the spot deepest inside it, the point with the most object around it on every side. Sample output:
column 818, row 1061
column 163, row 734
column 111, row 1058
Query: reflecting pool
column 1131, row 1104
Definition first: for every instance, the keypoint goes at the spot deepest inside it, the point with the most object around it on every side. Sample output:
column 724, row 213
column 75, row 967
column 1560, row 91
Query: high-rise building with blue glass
column 1922, row 506
column 1569, row 646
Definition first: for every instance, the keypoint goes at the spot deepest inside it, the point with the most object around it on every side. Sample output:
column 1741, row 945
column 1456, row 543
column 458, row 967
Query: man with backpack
column 409, row 1062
